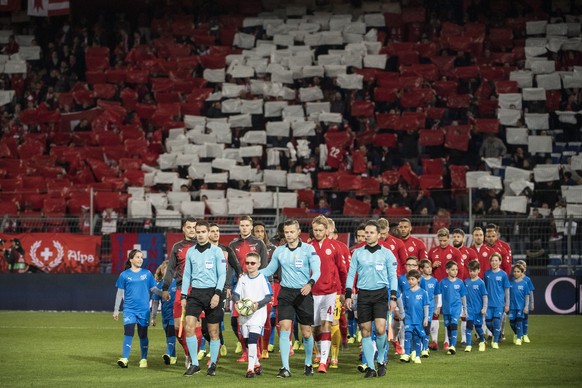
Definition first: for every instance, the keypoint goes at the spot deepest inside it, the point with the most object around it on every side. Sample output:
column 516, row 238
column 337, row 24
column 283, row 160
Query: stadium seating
column 422, row 91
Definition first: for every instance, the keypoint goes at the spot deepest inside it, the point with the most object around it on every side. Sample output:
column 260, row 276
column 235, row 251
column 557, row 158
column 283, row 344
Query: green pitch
column 81, row 349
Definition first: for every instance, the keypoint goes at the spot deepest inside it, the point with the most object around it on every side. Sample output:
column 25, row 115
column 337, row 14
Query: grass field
column 66, row 349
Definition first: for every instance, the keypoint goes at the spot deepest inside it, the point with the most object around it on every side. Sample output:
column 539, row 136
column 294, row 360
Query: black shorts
column 292, row 303
column 199, row 300
column 372, row 304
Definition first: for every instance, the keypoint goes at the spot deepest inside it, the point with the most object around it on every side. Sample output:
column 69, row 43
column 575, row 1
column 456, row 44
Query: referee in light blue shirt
column 300, row 269
column 376, row 269
column 205, row 271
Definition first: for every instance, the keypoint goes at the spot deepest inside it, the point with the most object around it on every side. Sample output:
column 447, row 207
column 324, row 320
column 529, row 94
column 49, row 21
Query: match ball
column 245, row 307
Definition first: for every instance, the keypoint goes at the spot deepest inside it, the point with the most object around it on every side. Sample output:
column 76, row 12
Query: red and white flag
column 9, row 5
column 48, row 7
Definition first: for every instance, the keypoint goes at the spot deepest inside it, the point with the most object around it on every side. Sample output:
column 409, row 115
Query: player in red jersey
column 499, row 246
column 242, row 245
column 413, row 245
column 439, row 257
column 175, row 270
column 482, row 250
column 443, row 253
column 333, row 274
column 395, row 245
column 492, row 239
column 467, row 255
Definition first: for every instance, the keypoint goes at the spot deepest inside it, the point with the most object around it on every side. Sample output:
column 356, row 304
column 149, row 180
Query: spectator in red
column 12, row 47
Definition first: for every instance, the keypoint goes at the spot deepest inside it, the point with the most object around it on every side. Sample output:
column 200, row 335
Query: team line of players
column 375, row 280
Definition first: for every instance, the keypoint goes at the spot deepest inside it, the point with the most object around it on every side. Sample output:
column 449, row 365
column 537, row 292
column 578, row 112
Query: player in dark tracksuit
column 175, row 270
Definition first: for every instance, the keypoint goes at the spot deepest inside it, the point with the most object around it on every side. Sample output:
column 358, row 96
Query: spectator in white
column 109, row 221
column 492, row 147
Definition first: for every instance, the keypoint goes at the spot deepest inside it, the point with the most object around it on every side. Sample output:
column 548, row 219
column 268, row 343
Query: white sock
column 252, row 348
column 324, row 349
column 434, row 330
column 396, row 329
column 463, row 328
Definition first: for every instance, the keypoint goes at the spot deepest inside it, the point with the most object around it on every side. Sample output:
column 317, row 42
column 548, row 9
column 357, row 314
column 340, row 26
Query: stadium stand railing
column 533, row 240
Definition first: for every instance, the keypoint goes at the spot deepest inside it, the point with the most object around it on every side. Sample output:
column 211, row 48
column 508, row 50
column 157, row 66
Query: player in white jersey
column 256, row 287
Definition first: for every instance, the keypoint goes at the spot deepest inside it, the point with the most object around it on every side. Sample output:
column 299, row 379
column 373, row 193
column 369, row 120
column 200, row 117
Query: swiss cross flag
column 151, row 244
column 48, row 7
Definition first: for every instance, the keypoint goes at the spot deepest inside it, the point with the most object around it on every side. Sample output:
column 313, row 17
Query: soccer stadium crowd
column 366, row 109
column 354, row 109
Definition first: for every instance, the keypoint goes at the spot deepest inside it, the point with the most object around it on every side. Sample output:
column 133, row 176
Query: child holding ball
column 256, row 287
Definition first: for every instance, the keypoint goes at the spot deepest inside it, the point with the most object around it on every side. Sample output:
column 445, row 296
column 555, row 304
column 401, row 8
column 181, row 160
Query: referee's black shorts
column 199, row 300
column 292, row 303
column 372, row 304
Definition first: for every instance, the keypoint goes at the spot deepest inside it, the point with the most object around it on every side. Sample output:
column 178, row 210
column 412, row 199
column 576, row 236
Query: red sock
column 182, row 341
column 343, row 324
column 277, row 326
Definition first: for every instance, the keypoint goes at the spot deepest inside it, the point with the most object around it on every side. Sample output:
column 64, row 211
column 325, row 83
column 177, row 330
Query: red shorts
column 276, row 286
column 178, row 306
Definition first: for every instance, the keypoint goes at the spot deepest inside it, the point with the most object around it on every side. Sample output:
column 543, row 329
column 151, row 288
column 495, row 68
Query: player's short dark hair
column 373, row 223
column 189, row 219
column 203, row 223
column 450, row 264
column 491, row 226
column 424, row 262
column 477, row 228
column 361, row 226
column 292, row 222
column 474, row 265
column 212, row 225
column 459, row 231
column 413, row 273
column 405, row 220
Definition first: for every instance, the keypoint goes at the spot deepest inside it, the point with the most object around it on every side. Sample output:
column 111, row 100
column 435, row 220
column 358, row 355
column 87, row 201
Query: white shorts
column 323, row 308
column 247, row 329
